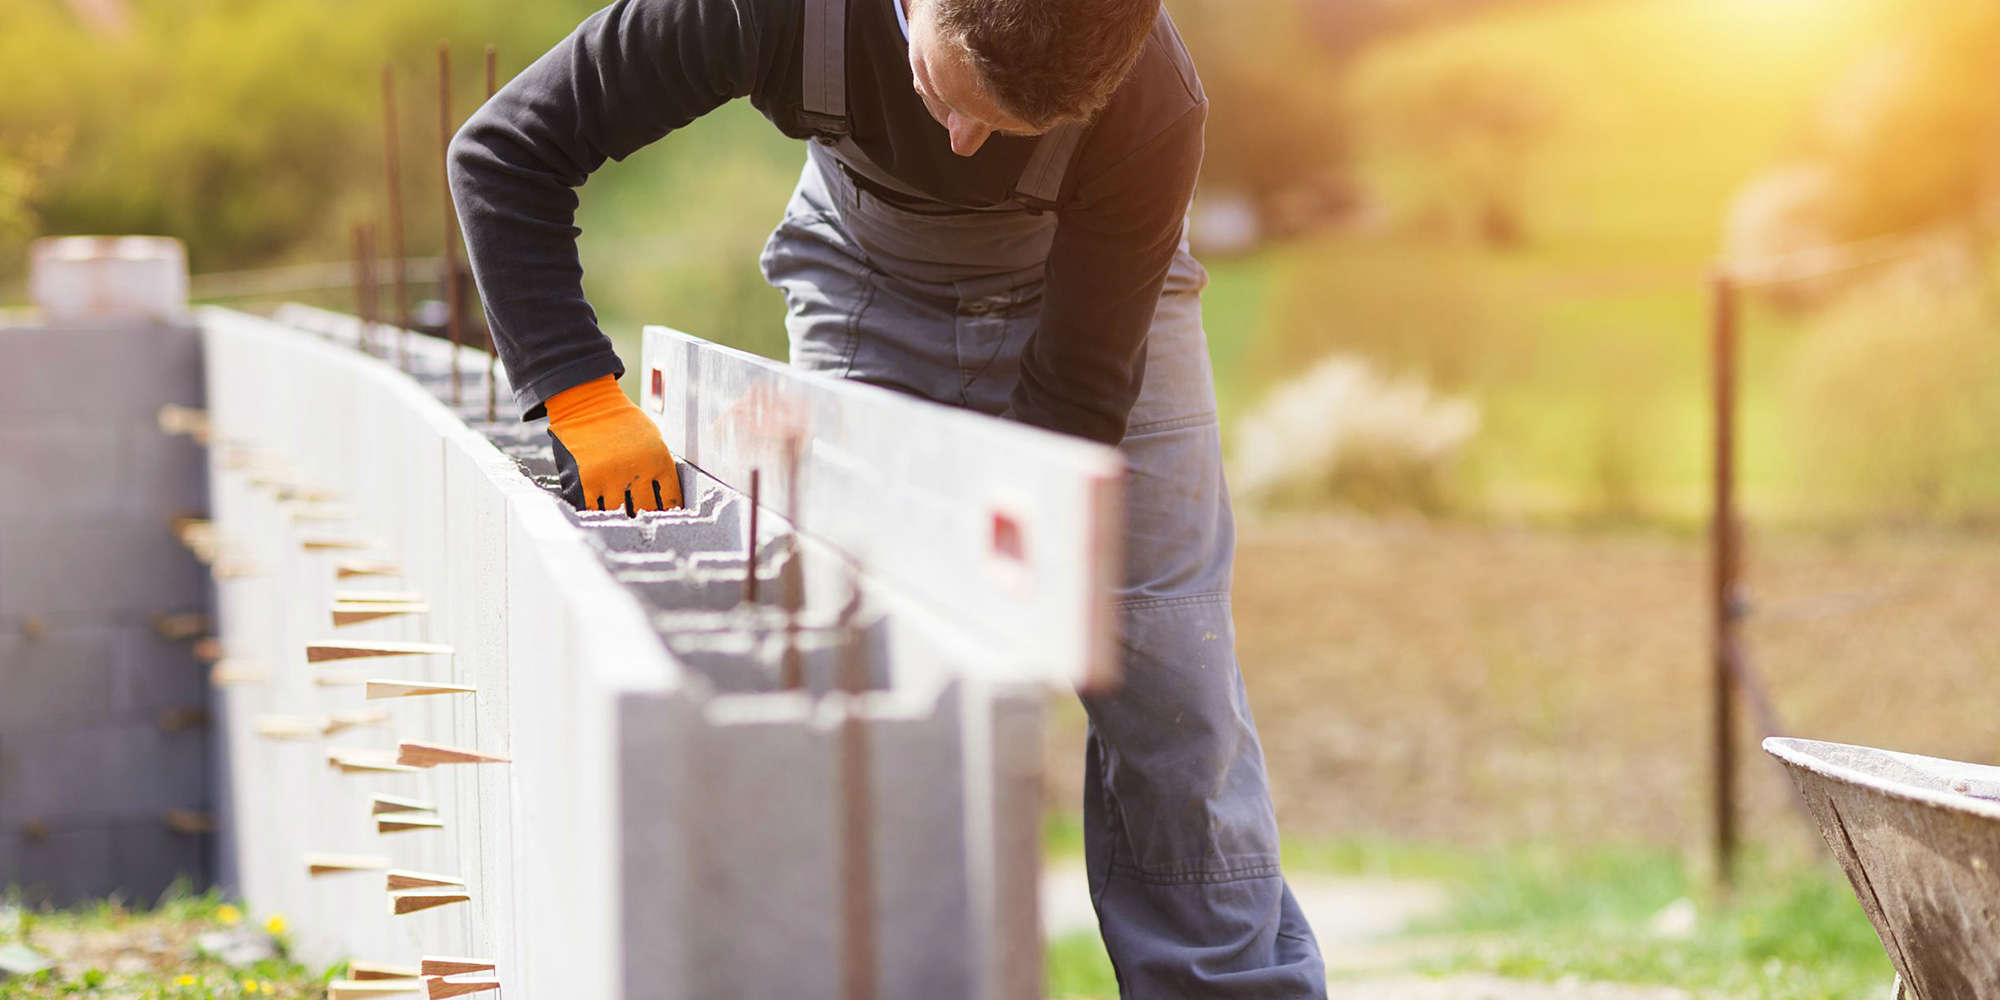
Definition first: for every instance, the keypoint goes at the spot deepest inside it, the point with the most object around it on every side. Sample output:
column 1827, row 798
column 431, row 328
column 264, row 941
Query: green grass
column 109, row 949
column 1790, row 930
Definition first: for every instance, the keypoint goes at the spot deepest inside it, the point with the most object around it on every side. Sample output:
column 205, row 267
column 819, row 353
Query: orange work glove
column 607, row 453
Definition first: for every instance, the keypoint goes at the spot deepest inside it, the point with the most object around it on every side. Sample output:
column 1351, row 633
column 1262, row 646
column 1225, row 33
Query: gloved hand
column 608, row 454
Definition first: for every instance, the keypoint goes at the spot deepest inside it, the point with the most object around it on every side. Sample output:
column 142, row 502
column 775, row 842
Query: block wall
column 104, row 730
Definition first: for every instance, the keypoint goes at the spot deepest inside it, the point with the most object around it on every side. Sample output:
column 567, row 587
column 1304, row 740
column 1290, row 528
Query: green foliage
column 1788, row 932
column 1894, row 403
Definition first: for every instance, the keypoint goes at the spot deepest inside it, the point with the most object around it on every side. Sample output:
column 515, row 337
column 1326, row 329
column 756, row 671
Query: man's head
column 1021, row 67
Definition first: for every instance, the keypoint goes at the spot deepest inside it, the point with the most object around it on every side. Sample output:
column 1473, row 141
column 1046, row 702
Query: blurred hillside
column 1508, row 203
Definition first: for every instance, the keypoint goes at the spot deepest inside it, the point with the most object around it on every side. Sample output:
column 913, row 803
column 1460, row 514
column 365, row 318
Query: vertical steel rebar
column 492, row 346
column 452, row 302
column 857, row 814
column 1723, row 541
column 792, row 667
column 370, row 291
column 750, row 555
column 398, row 253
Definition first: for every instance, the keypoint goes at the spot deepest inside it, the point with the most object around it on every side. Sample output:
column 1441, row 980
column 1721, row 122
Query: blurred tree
column 1276, row 133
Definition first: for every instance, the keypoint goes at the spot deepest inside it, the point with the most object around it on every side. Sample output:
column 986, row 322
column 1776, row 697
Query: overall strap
column 823, row 103
column 1042, row 180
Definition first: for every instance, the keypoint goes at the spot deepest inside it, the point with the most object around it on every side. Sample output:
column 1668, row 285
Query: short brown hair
column 1051, row 61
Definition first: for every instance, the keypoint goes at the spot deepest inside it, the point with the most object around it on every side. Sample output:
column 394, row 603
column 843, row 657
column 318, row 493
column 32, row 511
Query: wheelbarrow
column 1919, row 838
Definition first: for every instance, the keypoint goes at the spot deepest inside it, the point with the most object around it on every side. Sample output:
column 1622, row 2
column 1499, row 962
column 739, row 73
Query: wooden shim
column 307, row 511
column 357, row 613
column 445, row 965
column 306, row 494
column 336, row 681
column 366, row 762
column 180, row 627
column 400, row 879
column 377, row 596
column 330, row 543
column 289, row 727
column 340, row 722
column 333, row 650
column 209, row 650
column 417, row 754
column 344, row 864
column 406, row 822
column 383, row 805
column 366, row 989
column 354, row 569
column 380, row 970
column 450, row 988
column 188, row 821
column 418, row 900
column 227, row 673
column 381, row 689
column 236, row 571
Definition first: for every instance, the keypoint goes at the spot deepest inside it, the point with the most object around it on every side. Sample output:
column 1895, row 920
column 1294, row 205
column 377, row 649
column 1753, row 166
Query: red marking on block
column 659, row 383
column 1008, row 538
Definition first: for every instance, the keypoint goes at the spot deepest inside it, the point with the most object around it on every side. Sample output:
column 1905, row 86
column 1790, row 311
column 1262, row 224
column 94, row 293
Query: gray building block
column 63, row 867
column 106, row 370
column 74, row 462
column 146, row 858
column 150, row 675
column 922, row 892
column 129, row 564
column 60, row 679
column 103, row 773
column 166, row 474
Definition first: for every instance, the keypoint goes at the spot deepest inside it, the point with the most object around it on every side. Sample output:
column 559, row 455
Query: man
column 991, row 216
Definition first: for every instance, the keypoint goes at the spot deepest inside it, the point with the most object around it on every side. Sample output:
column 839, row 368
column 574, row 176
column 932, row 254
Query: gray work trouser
column 1179, row 834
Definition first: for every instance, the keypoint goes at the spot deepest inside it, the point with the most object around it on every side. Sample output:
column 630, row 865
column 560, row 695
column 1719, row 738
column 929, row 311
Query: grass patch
column 108, row 949
column 1790, row 931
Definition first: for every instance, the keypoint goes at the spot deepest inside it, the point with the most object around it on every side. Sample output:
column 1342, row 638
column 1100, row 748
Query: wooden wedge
column 386, row 804
column 335, row 543
column 381, row 689
column 340, row 722
column 416, row 754
column 333, row 650
column 446, row 965
column 459, row 987
column 354, row 569
column 400, row 880
column 418, row 900
column 406, row 823
column 366, row 762
column 374, row 596
column 358, row 969
column 289, row 727
column 344, row 864
column 368, row 989
column 358, row 613
column 228, row 673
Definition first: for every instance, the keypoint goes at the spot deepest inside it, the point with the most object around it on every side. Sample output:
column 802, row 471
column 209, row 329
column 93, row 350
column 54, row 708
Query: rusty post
column 792, row 668
column 750, row 555
column 857, row 814
column 452, row 302
column 370, row 291
column 492, row 346
column 398, row 253
column 1723, row 540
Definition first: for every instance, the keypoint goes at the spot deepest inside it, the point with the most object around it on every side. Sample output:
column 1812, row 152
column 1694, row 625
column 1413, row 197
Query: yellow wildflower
column 276, row 925
column 184, row 980
column 249, row 986
column 228, row 914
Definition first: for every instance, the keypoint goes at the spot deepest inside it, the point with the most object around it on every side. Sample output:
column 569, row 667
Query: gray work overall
column 938, row 300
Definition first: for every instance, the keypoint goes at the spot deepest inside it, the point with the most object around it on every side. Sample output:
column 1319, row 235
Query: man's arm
column 628, row 75
column 1081, row 372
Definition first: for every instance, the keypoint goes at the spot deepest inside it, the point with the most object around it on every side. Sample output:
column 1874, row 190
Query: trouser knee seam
column 1172, row 423
column 1173, row 602
column 1197, row 877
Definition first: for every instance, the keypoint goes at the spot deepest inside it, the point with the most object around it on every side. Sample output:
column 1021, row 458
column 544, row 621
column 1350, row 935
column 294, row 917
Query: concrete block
column 130, row 564
column 103, row 773
column 146, row 859
column 72, row 463
column 132, row 370
column 59, row 680
column 150, row 675
column 164, row 473
column 923, row 893
column 64, row 867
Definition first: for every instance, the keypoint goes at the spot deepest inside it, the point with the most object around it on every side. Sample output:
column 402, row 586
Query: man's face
column 951, row 87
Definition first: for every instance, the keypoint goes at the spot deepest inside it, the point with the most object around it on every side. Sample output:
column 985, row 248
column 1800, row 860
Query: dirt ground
column 1474, row 684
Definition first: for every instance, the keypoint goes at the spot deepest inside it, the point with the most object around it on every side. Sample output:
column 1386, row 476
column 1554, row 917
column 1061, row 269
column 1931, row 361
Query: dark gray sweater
column 639, row 69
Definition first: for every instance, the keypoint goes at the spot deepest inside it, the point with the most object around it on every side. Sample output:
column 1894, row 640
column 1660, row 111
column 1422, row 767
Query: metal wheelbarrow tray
column 1919, row 837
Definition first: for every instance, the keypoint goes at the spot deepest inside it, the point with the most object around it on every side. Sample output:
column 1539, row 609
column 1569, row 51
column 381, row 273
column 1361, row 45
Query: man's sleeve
column 628, row 75
column 1081, row 371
